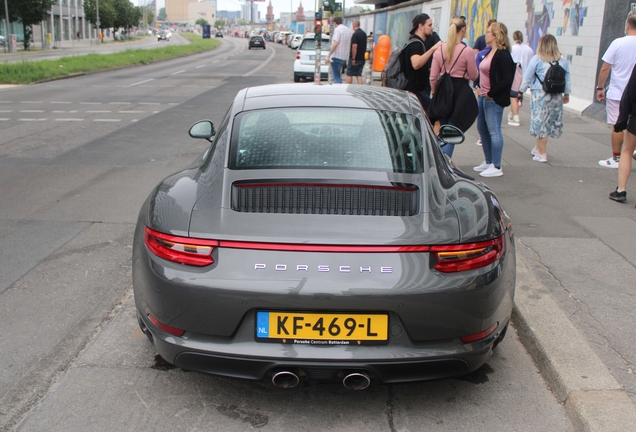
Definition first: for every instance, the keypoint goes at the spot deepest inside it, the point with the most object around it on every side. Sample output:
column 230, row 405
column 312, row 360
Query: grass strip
column 27, row 72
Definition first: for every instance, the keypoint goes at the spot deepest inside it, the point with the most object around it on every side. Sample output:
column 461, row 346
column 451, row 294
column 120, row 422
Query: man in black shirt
column 356, row 54
column 415, row 57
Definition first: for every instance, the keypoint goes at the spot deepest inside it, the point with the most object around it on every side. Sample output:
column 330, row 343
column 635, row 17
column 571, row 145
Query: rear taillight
column 297, row 55
column 164, row 327
column 456, row 258
column 481, row 335
column 182, row 250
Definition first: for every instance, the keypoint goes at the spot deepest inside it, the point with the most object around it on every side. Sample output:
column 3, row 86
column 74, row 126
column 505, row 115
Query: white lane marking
column 179, row 72
column 69, row 119
column 131, row 112
column 155, row 112
column 200, row 66
column 59, row 102
column 173, row 103
column 162, row 86
column 32, row 111
column 58, row 112
column 216, row 61
column 253, row 71
column 106, row 120
column 4, row 119
column 149, row 103
column 118, row 103
column 141, row 82
column 32, row 119
column 98, row 111
column 33, row 102
column 90, row 103
column 134, row 120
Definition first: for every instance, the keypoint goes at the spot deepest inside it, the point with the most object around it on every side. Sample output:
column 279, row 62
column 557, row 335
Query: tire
column 296, row 78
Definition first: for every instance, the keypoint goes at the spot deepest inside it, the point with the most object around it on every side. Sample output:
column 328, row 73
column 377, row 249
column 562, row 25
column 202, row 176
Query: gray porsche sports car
column 324, row 235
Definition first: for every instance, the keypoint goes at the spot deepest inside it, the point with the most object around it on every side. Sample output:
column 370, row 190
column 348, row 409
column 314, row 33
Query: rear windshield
column 310, row 44
column 257, row 38
column 321, row 138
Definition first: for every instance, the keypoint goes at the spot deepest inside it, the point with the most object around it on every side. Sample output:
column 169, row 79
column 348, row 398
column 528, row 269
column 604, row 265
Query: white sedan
column 305, row 64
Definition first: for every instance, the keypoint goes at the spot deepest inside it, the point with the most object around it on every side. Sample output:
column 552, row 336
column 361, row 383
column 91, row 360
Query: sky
column 279, row 5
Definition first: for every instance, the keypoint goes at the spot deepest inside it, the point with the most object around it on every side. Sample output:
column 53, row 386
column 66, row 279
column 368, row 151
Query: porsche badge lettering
column 320, row 268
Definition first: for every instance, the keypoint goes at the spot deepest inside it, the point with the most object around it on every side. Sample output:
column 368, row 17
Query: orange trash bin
column 381, row 53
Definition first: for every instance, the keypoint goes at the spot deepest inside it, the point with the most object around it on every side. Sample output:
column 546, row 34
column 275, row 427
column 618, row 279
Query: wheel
column 296, row 78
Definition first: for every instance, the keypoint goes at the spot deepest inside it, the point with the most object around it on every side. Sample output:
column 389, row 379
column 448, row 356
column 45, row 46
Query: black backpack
column 554, row 82
column 393, row 73
column 442, row 104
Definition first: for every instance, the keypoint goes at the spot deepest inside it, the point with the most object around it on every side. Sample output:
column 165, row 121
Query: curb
column 594, row 400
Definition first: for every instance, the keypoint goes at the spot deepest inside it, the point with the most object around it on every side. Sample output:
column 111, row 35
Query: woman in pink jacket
column 459, row 61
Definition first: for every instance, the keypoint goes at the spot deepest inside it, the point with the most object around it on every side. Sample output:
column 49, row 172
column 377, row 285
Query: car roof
column 337, row 96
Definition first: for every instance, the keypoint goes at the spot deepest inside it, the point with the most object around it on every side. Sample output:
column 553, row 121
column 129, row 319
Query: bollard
column 381, row 53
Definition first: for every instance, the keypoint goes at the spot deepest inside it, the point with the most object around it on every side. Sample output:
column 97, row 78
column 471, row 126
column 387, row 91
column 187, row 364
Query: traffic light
column 318, row 25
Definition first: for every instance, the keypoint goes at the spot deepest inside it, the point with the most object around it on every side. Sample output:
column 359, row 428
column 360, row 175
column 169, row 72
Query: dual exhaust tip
column 352, row 380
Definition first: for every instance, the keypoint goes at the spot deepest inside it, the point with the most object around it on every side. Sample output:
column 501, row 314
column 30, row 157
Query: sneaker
column 618, row 196
column 540, row 158
column 534, row 152
column 634, row 155
column 510, row 117
column 478, row 142
column 610, row 163
column 514, row 121
column 492, row 172
column 483, row 167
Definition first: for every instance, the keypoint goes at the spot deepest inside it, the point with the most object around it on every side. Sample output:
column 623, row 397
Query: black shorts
column 355, row 70
column 631, row 124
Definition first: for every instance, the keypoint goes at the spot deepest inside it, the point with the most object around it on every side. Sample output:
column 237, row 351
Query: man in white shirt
column 340, row 47
column 521, row 53
column 620, row 59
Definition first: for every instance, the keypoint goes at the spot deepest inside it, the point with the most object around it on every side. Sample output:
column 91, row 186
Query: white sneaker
column 534, row 151
column 510, row 116
column 483, row 167
column 609, row 163
column 492, row 172
column 634, row 155
column 478, row 142
column 514, row 121
column 540, row 158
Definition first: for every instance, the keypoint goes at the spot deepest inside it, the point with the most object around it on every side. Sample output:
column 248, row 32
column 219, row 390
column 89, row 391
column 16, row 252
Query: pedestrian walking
column 496, row 72
column 546, row 109
column 415, row 57
column 626, row 124
column 356, row 54
column 459, row 62
column 521, row 54
column 340, row 47
column 619, row 59
column 481, row 49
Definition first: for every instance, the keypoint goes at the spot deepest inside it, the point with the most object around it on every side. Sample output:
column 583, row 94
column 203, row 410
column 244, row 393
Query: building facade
column 205, row 10
column 178, row 10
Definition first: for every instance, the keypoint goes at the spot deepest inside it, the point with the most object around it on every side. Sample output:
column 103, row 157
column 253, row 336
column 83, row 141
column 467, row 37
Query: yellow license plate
column 321, row 328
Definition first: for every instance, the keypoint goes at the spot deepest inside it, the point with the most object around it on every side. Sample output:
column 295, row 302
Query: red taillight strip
column 183, row 250
column 161, row 326
column 455, row 258
column 319, row 248
column 481, row 335
column 410, row 189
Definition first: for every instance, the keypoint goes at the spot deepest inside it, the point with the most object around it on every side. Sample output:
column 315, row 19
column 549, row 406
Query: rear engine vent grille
column 325, row 199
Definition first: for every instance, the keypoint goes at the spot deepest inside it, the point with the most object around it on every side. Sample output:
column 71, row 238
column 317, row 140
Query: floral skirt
column 546, row 114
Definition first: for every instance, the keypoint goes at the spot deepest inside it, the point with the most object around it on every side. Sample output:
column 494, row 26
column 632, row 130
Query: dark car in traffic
column 219, row 34
column 163, row 35
column 324, row 235
column 256, row 41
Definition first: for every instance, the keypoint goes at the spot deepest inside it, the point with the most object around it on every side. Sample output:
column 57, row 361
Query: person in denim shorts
column 356, row 54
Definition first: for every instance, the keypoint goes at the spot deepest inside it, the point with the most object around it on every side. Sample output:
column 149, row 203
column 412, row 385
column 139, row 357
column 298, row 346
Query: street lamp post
column 7, row 43
column 96, row 19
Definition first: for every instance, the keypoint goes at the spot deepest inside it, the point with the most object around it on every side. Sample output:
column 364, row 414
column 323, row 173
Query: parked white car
column 296, row 40
column 305, row 63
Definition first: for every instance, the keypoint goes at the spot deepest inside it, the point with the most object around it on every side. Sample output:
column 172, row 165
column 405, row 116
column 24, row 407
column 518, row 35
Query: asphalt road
column 77, row 159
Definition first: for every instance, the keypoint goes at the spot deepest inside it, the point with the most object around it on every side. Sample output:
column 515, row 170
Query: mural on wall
column 399, row 26
column 573, row 14
column 477, row 13
column 541, row 14
column 379, row 27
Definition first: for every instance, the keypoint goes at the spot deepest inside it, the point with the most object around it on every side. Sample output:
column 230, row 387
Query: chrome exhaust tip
column 285, row 379
column 356, row 381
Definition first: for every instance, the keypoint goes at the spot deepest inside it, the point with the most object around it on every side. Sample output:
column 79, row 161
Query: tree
column 220, row 23
column 106, row 13
column 202, row 22
column 126, row 14
column 29, row 12
column 161, row 15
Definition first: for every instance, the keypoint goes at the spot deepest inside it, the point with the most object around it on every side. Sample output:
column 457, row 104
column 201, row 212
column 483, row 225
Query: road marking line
column 69, row 119
column 134, row 120
column 215, row 61
column 149, row 103
column 90, row 103
column 106, row 120
column 179, row 72
column 32, row 119
column 167, row 86
column 141, row 82
column 33, row 102
column 200, row 66
column 156, row 112
column 58, row 112
column 4, row 119
column 32, row 111
column 173, row 103
column 253, row 71
column 59, row 102
column 118, row 103
column 131, row 112
column 98, row 111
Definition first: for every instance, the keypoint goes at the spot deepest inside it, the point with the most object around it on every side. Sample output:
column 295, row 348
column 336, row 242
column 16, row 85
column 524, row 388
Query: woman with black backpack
column 548, row 77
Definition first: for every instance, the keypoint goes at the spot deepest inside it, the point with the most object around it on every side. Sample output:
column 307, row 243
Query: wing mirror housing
column 449, row 134
column 202, row 129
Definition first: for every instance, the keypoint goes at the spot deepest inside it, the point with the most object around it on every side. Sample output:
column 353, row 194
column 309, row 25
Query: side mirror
column 450, row 135
column 202, row 129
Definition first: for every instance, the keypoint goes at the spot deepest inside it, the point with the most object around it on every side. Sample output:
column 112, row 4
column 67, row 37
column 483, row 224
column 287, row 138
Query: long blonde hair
column 500, row 32
column 453, row 37
column 548, row 50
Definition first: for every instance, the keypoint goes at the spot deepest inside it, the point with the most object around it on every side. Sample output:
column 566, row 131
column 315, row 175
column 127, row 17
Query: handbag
column 442, row 103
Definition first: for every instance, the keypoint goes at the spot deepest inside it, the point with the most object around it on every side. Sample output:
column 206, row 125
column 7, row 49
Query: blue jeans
column 336, row 68
column 489, row 127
